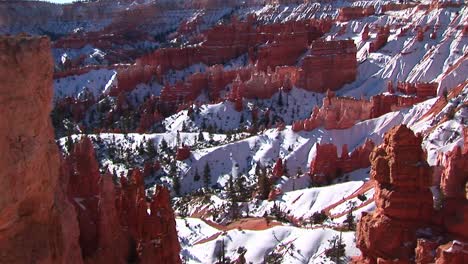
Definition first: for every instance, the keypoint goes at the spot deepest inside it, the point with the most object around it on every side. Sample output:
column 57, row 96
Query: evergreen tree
column 280, row 99
column 163, row 145
column 243, row 191
column 201, row 138
column 336, row 250
column 207, row 175
column 69, row 143
column 232, row 198
column 176, row 184
column 178, row 142
column 151, row 149
column 196, row 177
column 264, row 185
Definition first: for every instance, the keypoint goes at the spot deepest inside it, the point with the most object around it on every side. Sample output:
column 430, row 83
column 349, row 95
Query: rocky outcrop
column 404, row 202
column 183, row 153
column 330, row 65
column 405, row 205
column 381, row 39
column 421, row 90
column 350, row 13
column 93, row 197
column 327, row 166
column 117, row 223
column 282, row 44
column 36, row 222
column 151, row 225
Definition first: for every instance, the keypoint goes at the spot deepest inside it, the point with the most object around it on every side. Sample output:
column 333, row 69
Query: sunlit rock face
column 37, row 223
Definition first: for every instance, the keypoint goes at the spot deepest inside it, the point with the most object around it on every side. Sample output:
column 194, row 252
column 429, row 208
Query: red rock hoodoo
column 326, row 166
column 114, row 221
column 404, row 204
column 36, row 222
column 96, row 224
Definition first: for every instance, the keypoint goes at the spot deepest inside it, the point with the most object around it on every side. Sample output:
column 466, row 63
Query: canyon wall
column 330, row 65
column 37, row 223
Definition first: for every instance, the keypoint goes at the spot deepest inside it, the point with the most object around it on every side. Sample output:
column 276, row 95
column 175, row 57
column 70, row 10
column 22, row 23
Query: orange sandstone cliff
column 37, row 224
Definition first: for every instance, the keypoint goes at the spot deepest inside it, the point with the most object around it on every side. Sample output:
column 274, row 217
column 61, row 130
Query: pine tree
column 243, row 191
column 280, row 99
column 201, row 138
column 232, row 198
column 163, row 145
column 150, row 149
column 178, row 141
column 69, row 143
column 207, row 175
column 176, row 184
column 264, row 185
column 196, row 177
column 336, row 251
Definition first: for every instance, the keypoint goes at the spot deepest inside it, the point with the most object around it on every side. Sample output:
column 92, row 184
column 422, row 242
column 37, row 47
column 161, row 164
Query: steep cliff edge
column 36, row 221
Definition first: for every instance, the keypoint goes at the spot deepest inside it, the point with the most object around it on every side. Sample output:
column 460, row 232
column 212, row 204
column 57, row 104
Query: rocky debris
column 37, row 223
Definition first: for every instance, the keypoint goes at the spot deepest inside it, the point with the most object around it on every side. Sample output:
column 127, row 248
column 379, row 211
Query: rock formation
column 327, row 166
column 344, row 112
column 382, row 36
column 394, row 232
column 96, row 224
column 351, row 13
column 115, row 223
column 37, row 224
column 320, row 70
column 404, row 202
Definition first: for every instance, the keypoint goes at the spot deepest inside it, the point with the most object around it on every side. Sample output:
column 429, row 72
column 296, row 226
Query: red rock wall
column 326, row 166
column 286, row 42
column 396, row 7
column 155, row 232
column 350, row 13
column 37, row 223
column 330, row 65
column 382, row 104
column 421, row 90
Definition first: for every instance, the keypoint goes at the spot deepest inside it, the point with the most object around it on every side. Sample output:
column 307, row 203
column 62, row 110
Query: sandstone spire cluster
column 99, row 222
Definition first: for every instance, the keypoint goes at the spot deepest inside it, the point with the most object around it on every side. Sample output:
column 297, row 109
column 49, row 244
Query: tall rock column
column 403, row 199
column 36, row 222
